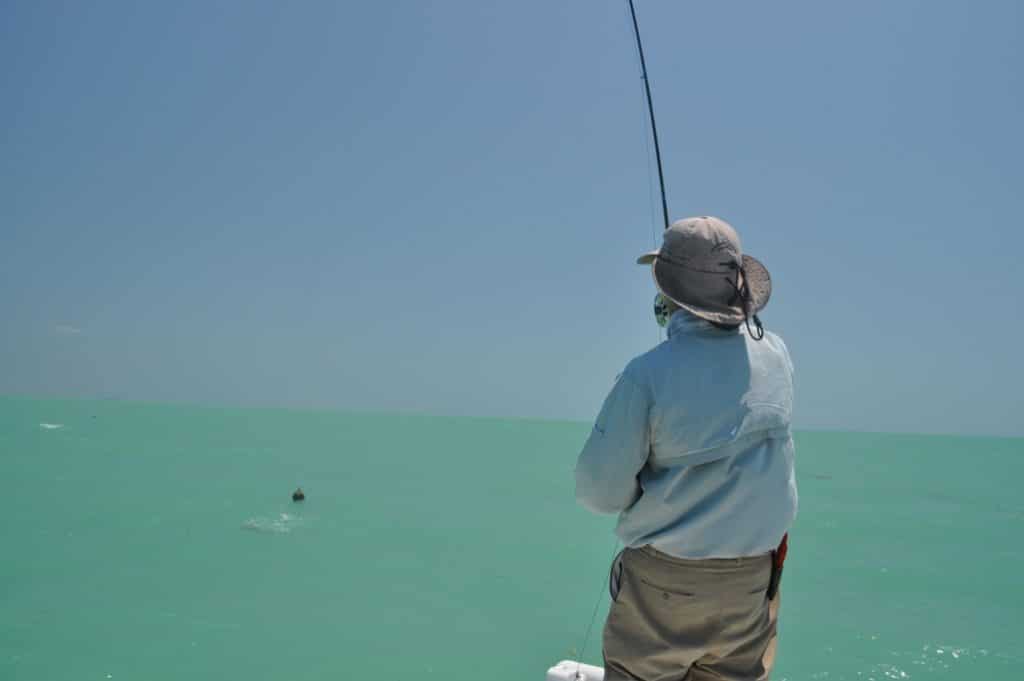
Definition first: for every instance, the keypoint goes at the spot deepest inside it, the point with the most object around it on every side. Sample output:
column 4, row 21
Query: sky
column 436, row 206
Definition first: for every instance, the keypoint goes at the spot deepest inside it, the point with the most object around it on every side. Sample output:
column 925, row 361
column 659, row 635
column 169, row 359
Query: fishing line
column 664, row 211
column 645, row 130
column 593, row 615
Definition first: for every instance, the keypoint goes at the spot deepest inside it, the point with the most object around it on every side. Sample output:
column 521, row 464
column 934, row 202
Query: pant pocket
column 615, row 576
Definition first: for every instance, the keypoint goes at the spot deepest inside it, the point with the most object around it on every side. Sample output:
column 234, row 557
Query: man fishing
column 692, row 449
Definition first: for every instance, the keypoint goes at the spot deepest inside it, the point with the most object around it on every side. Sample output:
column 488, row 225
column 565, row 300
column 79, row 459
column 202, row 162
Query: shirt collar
column 683, row 323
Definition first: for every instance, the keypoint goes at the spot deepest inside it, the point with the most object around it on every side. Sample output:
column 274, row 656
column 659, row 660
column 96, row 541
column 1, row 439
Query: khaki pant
column 692, row 620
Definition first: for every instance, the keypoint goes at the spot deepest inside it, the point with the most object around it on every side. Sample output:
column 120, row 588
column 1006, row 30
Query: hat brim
column 759, row 283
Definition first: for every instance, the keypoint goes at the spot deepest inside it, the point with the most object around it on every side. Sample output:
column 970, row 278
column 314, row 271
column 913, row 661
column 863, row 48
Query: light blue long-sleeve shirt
column 692, row 447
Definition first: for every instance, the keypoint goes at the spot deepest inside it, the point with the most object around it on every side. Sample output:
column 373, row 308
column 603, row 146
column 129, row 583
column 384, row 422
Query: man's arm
column 616, row 450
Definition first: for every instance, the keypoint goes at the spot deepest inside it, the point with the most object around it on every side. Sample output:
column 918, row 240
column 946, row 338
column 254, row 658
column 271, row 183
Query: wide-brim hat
column 702, row 269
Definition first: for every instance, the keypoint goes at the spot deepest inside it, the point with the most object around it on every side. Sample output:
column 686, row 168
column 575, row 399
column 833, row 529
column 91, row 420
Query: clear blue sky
column 436, row 206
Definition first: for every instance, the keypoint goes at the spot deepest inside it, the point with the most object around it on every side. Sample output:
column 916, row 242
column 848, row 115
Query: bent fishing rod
column 650, row 110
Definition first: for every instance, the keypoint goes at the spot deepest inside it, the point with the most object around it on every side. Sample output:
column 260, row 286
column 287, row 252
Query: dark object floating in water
column 298, row 495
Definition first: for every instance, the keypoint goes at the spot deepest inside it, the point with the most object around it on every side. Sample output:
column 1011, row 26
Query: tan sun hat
column 701, row 268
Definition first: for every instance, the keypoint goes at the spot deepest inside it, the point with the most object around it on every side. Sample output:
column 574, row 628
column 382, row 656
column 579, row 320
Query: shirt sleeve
column 616, row 451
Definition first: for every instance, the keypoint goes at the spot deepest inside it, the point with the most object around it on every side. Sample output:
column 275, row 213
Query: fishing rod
column 650, row 110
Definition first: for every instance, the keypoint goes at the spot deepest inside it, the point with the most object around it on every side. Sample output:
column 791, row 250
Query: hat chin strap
column 741, row 295
column 759, row 335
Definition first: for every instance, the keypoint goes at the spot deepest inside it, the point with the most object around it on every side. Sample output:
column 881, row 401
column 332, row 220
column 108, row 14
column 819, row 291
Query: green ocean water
column 159, row 542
